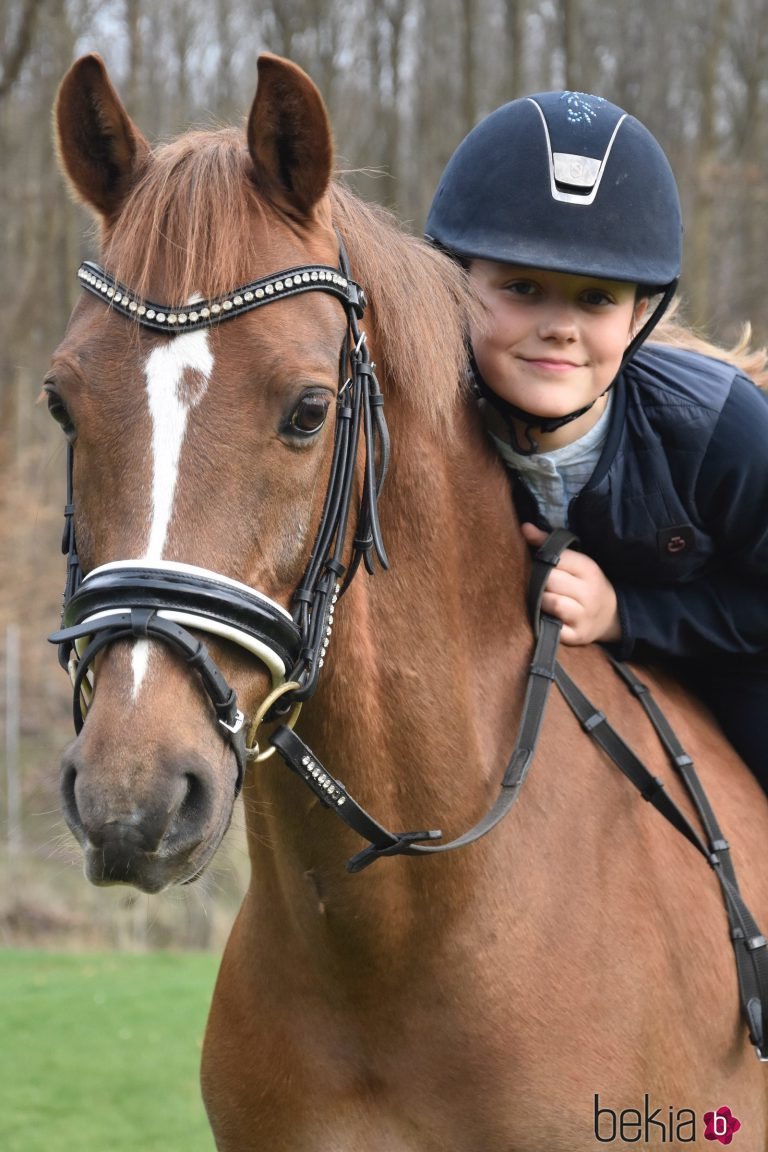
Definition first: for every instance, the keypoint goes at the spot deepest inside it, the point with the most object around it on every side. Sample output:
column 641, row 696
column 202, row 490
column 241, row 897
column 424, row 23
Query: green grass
column 100, row 1053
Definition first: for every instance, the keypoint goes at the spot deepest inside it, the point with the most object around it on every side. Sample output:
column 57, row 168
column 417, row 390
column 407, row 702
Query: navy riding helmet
column 563, row 181
column 567, row 182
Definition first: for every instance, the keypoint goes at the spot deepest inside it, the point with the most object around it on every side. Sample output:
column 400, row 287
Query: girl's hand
column 579, row 594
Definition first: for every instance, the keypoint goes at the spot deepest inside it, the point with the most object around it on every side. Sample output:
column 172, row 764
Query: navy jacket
column 676, row 511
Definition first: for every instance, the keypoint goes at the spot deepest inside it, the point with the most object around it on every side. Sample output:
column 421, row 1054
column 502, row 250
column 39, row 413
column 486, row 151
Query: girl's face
column 552, row 343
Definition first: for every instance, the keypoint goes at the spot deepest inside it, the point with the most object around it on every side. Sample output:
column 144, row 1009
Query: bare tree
column 468, row 64
column 700, row 252
column 134, row 86
column 513, row 78
column 19, row 33
column 570, row 16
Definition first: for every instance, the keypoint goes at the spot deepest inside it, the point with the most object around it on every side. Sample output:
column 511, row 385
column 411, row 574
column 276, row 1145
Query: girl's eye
column 58, row 410
column 596, row 297
column 521, row 288
column 309, row 414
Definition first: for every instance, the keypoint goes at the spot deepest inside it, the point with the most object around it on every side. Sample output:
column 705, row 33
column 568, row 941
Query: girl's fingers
column 576, row 563
column 563, row 608
column 562, row 583
column 533, row 534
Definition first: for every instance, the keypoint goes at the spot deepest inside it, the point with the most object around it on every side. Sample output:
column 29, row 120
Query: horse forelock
column 195, row 223
column 188, row 226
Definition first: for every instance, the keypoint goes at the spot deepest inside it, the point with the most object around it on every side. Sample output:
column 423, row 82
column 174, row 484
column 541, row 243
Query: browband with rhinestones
column 204, row 313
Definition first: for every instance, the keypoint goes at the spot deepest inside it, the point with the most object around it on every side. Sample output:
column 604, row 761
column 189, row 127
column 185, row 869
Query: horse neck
column 414, row 641
column 416, row 702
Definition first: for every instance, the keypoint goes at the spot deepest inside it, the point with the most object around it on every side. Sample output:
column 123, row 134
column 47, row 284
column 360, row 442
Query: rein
column 135, row 599
column 749, row 944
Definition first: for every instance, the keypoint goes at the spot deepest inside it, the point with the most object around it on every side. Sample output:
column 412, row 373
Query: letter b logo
column 605, row 1123
column 720, row 1125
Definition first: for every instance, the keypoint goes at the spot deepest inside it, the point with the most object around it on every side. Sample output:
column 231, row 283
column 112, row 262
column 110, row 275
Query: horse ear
column 289, row 136
column 100, row 148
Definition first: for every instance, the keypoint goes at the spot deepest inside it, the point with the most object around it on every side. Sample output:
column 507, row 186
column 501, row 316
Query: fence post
column 12, row 741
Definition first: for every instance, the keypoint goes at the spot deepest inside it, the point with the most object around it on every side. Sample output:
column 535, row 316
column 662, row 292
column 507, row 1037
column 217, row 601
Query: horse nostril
column 193, row 810
column 69, row 799
column 194, row 807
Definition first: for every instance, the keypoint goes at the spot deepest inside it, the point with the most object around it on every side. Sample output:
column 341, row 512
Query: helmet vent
column 573, row 172
column 588, row 172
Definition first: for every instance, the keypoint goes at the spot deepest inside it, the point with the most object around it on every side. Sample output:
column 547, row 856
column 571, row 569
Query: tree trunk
column 570, row 15
column 469, row 72
column 16, row 50
column 514, row 83
column 701, row 232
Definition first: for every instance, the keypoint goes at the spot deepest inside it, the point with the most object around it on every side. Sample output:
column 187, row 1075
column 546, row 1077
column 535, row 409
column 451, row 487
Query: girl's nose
column 558, row 324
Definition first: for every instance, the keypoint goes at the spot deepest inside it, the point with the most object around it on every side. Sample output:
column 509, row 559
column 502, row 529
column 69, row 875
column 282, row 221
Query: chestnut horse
column 565, row 981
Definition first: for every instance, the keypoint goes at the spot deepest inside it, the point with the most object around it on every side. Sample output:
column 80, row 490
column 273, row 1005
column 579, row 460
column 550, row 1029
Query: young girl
column 565, row 211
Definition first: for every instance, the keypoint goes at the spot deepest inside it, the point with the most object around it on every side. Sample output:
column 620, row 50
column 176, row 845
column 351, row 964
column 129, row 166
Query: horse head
column 198, row 456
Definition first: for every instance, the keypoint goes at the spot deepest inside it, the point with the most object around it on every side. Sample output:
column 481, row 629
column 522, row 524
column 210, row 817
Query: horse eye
column 309, row 414
column 58, row 410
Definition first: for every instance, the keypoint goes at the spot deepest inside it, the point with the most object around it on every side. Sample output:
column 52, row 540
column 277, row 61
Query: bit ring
column 252, row 752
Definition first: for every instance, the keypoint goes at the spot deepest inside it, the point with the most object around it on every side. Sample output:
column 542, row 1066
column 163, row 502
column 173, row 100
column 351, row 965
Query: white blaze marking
column 177, row 375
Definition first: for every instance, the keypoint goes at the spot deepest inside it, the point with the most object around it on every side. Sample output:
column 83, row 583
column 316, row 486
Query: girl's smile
column 548, row 365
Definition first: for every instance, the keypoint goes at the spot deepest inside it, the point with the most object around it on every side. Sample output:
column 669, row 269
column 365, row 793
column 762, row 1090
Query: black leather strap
column 120, row 589
column 748, row 941
column 749, row 944
column 177, row 319
column 332, row 793
column 545, row 559
column 301, row 760
column 650, row 787
column 541, row 674
column 145, row 624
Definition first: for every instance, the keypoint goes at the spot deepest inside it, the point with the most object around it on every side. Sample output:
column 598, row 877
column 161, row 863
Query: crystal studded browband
column 205, row 313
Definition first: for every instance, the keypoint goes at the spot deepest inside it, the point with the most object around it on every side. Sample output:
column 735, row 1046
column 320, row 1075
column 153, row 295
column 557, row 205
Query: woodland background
column 403, row 80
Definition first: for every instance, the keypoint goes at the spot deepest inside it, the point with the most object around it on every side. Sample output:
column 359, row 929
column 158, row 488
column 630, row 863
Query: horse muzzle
column 152, row 836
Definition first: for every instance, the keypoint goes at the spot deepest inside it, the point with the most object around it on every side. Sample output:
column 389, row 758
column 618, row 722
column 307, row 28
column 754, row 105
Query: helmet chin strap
column 512, row 415
column 546, row 424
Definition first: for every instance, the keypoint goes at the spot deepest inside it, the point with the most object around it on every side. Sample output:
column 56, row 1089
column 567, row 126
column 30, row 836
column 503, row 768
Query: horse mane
column 191, row 213
column 421, row 302
column 751, row 361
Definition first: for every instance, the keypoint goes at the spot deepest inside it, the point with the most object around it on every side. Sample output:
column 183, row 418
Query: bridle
column 131, row 599
column 135, row 599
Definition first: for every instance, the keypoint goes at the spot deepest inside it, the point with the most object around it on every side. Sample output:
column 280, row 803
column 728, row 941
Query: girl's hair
column 751, row 361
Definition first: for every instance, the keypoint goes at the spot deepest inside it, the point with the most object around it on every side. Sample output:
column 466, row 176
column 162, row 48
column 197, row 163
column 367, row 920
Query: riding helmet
column 567, row 182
